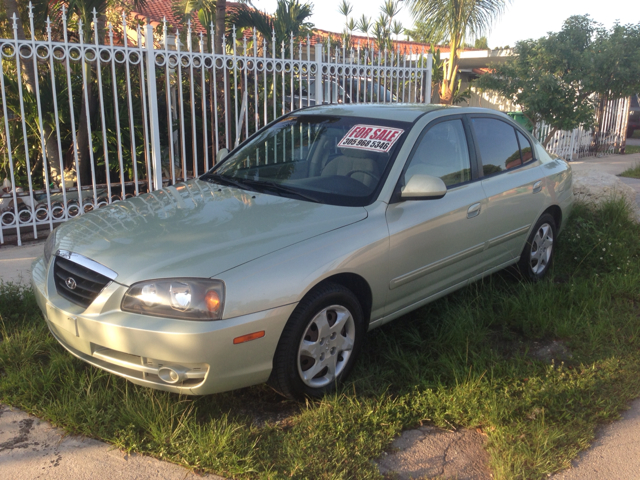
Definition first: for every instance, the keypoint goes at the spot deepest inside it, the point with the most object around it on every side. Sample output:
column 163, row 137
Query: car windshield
column 318, row 158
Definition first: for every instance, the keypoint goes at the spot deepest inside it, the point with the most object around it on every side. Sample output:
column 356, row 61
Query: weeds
column 633, row 172
column 463, row 361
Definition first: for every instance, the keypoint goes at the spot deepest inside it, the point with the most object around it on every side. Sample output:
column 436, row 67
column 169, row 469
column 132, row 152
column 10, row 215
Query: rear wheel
column 319, row 344
column 537, row 255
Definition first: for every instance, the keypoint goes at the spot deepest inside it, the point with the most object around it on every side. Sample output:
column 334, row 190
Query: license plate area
column 62, row 319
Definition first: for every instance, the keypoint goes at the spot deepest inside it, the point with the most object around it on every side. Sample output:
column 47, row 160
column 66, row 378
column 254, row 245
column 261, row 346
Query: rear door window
column 497, row 145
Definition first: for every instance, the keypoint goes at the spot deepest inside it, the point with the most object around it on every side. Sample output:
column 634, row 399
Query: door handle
column 537, row 187
column 474, row 210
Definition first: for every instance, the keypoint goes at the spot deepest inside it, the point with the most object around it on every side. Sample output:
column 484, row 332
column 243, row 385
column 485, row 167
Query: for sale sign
column 371, row 137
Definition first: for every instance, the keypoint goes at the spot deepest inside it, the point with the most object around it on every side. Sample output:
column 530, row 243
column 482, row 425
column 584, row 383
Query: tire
column 537, row 255
column 319, row 344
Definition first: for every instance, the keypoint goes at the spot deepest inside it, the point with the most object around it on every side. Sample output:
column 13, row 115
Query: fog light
column 172, row 375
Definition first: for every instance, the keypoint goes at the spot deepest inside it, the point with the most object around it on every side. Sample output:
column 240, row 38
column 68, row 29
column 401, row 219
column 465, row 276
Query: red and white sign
column 371, row 137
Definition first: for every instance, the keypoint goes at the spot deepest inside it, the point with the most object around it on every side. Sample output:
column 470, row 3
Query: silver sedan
column 272, row 266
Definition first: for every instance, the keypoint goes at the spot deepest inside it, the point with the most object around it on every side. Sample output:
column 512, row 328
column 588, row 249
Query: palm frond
column 246, row 17
column 457, row 20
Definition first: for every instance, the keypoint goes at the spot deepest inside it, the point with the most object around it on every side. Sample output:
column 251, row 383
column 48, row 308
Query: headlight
column 183, row 298
column 48, row 247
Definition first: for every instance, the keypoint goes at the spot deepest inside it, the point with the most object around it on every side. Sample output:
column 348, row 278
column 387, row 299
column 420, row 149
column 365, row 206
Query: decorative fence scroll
column 94, row 114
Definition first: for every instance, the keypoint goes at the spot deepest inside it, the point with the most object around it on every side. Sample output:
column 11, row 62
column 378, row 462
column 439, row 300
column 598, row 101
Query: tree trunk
column 84, row 155
column 51, row 145
column 447, row 89
column 221, row 14
column 548, row 138
column 602, row 106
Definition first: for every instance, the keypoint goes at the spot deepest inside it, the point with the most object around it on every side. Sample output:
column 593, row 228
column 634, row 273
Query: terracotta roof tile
column 156, row 10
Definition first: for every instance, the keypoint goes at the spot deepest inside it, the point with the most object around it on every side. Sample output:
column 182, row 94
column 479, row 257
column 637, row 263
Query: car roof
column 403, row 112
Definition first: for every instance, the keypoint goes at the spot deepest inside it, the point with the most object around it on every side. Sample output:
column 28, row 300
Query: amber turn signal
column 248, row 337
column 212, row 300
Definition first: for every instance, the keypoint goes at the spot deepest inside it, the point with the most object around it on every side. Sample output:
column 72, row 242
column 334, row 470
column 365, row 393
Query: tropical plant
column 41, row 9
column 397, row 29
column 290, row 19
column 455, row 21
column 390, row 9
column 364, row 26
column 345, row 9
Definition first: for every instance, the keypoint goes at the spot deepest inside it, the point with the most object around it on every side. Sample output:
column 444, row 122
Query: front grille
column 88, row 284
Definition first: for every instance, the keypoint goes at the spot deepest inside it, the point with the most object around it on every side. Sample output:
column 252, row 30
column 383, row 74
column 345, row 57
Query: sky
column 523, row 19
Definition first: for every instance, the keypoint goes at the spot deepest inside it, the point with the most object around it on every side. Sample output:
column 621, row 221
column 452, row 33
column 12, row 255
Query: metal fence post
column 427, row 87
column 154, row 126
column 319, row 89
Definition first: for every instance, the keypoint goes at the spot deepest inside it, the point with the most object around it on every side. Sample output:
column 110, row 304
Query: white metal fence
column 584, row 142
column 105, row 114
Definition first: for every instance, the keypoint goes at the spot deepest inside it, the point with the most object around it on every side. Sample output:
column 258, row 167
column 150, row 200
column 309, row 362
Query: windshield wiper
column 279, row 188
column 223, row 180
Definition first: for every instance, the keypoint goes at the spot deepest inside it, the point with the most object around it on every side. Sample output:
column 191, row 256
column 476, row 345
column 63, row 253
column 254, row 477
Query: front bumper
column 137, row 347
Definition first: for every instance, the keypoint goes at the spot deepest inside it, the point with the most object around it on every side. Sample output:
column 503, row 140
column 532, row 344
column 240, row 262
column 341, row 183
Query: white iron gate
column 94, row 114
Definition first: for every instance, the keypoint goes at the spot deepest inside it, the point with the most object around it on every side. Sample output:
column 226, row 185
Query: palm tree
column 456, row 21
column 351, row 26
column 290, row 18
column 364, row 25
column 397, row 29
column 390, row 9
column 207, row 12
column 345, row 9
column 382, row 32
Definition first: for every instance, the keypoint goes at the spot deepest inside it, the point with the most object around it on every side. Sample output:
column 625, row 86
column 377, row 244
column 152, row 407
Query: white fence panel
column 582, row 142
column 115, row 111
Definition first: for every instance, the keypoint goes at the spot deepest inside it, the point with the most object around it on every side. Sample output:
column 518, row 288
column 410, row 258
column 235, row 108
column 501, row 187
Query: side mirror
column 222, row 153
column 423, row 187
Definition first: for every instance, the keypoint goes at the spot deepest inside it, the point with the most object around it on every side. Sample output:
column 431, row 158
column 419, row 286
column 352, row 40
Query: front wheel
column 319, row 344
column 537, row 255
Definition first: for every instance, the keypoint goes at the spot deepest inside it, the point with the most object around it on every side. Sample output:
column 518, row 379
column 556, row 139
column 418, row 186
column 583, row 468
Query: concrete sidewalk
column 15, row 262
column 613, row 164
column 31, row 448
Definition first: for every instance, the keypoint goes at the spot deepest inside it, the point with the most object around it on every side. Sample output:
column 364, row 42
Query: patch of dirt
column 547, row 351
column 554, row 350
column 430, row 452
column 264, row 405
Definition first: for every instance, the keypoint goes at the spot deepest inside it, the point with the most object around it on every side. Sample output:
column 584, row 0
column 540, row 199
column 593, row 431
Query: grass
column 631, row 149
column 633, row 172
column 462, row 361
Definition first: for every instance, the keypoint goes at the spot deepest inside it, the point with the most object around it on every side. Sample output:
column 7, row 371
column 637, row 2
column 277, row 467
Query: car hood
column 196, row 229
